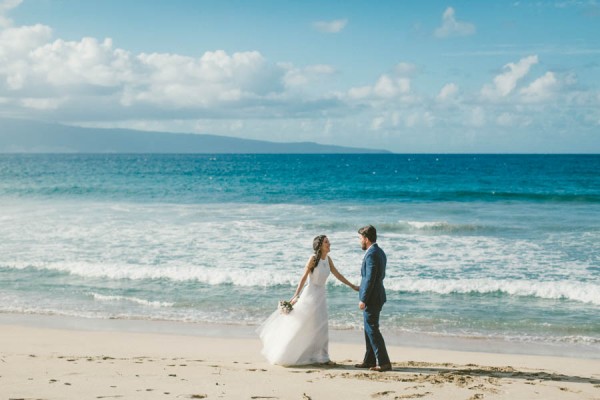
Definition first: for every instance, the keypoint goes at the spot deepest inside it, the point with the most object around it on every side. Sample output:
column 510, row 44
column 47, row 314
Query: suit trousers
column 376, row 351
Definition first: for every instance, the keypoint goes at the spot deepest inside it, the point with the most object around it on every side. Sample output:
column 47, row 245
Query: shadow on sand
column 412, row 371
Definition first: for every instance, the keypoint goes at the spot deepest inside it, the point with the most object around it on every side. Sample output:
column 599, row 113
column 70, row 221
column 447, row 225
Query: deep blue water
column 300, row 178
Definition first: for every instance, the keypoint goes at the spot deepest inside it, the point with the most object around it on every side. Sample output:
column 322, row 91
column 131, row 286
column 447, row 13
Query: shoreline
column 346, row 336
column 63, row 363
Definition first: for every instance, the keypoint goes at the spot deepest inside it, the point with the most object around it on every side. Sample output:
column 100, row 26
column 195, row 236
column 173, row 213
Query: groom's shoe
column 363, row 365
column 382, row 368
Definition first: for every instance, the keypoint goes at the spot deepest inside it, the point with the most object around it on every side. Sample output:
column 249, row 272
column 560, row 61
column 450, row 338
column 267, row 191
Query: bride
column 302, row 336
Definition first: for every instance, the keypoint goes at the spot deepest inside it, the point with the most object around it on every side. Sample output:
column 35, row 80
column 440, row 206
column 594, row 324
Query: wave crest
column 560, row 290
column 584, row 292
column 155, row 304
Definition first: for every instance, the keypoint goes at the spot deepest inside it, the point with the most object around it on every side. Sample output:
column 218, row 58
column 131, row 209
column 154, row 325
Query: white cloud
column 506, row 82
column 513, row 118
column 296, row 77
column 33, row 63
column 452, row 27
column 17, row 42
column 43, row 104
column 377, row 123
column 387, row 87
column 6, row 6
column 214, row 78
column 392, row 86
column 405, row 69
column 541, row 89
column 448, row 92
column 15, row 46
column 335, row 26
column 477, row 117
column 358, row 93
column 505, row 119
column 392, row 120
column 419, row 118
column 87, row 62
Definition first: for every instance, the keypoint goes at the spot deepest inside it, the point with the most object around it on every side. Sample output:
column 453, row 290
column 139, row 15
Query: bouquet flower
column 285, row 307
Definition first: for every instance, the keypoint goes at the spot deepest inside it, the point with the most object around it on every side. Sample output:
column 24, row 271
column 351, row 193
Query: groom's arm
column 368, row 282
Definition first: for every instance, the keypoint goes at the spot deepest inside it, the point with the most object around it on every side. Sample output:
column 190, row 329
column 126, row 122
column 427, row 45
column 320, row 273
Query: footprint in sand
column 382, row 394
column 413, row 395
column 476, row 396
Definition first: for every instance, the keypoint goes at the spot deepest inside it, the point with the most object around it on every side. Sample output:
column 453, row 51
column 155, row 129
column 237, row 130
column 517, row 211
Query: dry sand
column 44, row 363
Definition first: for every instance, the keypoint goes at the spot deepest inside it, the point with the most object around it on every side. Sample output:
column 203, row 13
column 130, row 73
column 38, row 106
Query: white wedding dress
column 302, row 336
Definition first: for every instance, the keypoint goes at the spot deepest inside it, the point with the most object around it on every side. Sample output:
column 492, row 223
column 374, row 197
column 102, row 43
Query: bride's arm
column 339, row 276
column 294, row 299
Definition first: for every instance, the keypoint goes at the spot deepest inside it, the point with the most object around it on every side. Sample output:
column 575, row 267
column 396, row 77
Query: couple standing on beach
column 302, row 336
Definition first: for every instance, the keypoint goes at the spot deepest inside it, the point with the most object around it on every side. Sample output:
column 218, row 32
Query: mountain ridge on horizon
column 29, row 136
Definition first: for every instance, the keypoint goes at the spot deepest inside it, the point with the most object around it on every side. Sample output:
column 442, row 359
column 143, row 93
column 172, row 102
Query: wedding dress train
column 302, row 336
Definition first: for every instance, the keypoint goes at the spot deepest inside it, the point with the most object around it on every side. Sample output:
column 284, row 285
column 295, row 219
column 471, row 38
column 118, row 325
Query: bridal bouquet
column 285, row 307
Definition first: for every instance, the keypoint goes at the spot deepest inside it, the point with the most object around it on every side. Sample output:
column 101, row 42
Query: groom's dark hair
column 369, row 232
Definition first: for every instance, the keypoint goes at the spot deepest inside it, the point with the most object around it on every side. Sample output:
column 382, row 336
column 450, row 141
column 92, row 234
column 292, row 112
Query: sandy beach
column 49, row 363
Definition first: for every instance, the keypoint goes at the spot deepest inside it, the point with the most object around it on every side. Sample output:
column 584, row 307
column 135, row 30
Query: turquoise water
column 479, row 246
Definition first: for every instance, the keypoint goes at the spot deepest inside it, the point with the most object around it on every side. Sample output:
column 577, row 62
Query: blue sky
column 432, row 76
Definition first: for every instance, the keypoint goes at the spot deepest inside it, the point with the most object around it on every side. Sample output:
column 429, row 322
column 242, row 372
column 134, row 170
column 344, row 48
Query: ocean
column 499, row 248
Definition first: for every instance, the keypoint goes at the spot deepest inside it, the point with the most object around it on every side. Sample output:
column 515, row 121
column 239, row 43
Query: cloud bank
column 94, row 82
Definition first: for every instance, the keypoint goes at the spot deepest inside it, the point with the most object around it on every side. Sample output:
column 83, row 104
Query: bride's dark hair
column 317, row 244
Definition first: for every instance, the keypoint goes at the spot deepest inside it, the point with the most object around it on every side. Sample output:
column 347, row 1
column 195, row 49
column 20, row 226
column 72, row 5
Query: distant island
column 25, row 136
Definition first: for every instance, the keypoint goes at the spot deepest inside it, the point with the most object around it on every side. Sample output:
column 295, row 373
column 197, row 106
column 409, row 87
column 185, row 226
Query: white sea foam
column 210, row 276
column 426, row 225
column 510, row 337
column 585, row 292
column 443, row 227
column 569, row 290
column 147, row 247
column 156, row 304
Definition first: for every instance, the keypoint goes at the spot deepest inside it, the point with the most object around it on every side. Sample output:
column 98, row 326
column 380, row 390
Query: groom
column 372, row 297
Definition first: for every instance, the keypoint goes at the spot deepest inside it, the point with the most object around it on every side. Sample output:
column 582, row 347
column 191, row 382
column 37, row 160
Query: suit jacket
column 372, row 292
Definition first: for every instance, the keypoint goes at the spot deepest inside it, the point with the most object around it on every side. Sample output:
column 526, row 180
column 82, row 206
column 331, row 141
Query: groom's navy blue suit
column 372, row 293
